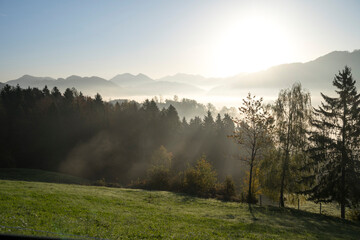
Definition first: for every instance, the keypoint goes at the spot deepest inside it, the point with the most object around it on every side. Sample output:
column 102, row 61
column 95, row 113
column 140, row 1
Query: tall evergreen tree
column 46, row 91
column 208, row 121
column 229, row 125
column 335, row 145
column 219, row 124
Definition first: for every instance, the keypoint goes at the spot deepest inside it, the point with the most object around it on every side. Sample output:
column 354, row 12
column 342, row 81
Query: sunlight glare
column 250, row 45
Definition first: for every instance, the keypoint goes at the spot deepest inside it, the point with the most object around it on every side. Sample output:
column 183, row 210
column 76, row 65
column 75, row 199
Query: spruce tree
column 335, row 145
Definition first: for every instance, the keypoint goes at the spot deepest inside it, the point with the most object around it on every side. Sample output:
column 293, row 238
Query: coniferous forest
column 88, row 137
column 287, row 147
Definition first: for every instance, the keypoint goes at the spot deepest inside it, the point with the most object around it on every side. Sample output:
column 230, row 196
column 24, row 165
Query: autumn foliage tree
column 292, row 113
column 201, row 179
column 253, row 134
column 159, row 173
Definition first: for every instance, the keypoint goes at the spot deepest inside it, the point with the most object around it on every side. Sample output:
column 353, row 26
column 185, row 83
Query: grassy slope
column 36, row 175
column 136, row 214
column 330, row 209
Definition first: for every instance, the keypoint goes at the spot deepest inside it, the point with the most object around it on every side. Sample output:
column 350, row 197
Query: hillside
column 35, row 175
column 75, row 211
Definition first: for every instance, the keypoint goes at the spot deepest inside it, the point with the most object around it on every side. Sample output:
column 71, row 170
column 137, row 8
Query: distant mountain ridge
column 88, row 85
column 127, row 79
column 314, row 75
column 121, row 85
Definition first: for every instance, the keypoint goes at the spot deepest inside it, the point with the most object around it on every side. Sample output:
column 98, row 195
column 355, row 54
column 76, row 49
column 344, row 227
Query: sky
column 59, row 38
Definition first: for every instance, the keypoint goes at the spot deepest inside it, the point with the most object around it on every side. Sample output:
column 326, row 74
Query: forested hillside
column 90, row 138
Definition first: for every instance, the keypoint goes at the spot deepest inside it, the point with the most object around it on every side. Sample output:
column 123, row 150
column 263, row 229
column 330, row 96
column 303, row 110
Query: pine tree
column 335, row 145
column 209, row 121
column 55, row 92
column 46, row 91
column 219, row 124
column 229, row 125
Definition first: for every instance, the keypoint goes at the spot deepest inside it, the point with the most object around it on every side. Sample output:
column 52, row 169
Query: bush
column 159, row 178
column 138, row 183
column 228, row 189
column 201, row 179
column 177, row 182
column 159, row 173
column 100, row 182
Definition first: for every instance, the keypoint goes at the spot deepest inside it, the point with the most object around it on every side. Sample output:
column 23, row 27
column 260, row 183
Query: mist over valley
column 316, row 76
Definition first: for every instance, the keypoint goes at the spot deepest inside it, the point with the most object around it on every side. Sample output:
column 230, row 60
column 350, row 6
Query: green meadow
column 81, row 211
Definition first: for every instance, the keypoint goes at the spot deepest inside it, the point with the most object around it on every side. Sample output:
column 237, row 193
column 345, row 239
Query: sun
column 251, row 44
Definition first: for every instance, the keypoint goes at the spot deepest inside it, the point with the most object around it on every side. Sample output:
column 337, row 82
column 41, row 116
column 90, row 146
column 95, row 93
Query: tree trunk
column 286, row 160
column 343, row 210
column 282, row 190
column 343, row 162
column 249, row 198
column 282, row 183
column 342, row 193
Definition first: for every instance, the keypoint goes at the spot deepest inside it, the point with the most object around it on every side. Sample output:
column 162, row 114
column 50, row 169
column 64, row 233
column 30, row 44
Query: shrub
column 201, row 179
column 177, row 182
column 159, row 173
column 228, row 188
column 159, row 178
column 100, row 182
column 138, row 183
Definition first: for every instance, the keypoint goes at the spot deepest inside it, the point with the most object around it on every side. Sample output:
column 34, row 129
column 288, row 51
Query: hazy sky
column 59, row 38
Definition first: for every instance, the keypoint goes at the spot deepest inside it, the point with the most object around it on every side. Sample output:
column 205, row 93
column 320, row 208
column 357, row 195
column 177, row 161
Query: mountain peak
column 73, row 77
column 27, row 76
column 130, row 79
column 335, row 55
column 141, row 75
column 125, row 75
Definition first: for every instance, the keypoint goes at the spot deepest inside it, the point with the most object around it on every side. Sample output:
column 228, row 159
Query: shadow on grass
column 306, row 222
column 35, row 175
column 187, row 198
column 252, row 212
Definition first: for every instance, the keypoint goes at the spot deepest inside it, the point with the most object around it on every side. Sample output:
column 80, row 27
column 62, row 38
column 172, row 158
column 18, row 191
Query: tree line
column 87, row 137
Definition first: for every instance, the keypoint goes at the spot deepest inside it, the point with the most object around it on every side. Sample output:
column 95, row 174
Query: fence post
column 298, row 204
column 260, row 201
column 320, row 208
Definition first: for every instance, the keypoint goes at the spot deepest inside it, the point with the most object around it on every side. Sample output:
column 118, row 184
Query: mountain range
column 316, row 75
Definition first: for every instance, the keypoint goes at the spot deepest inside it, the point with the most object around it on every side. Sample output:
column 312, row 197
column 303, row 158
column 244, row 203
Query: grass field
column 114, row 213
column 330, row 209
